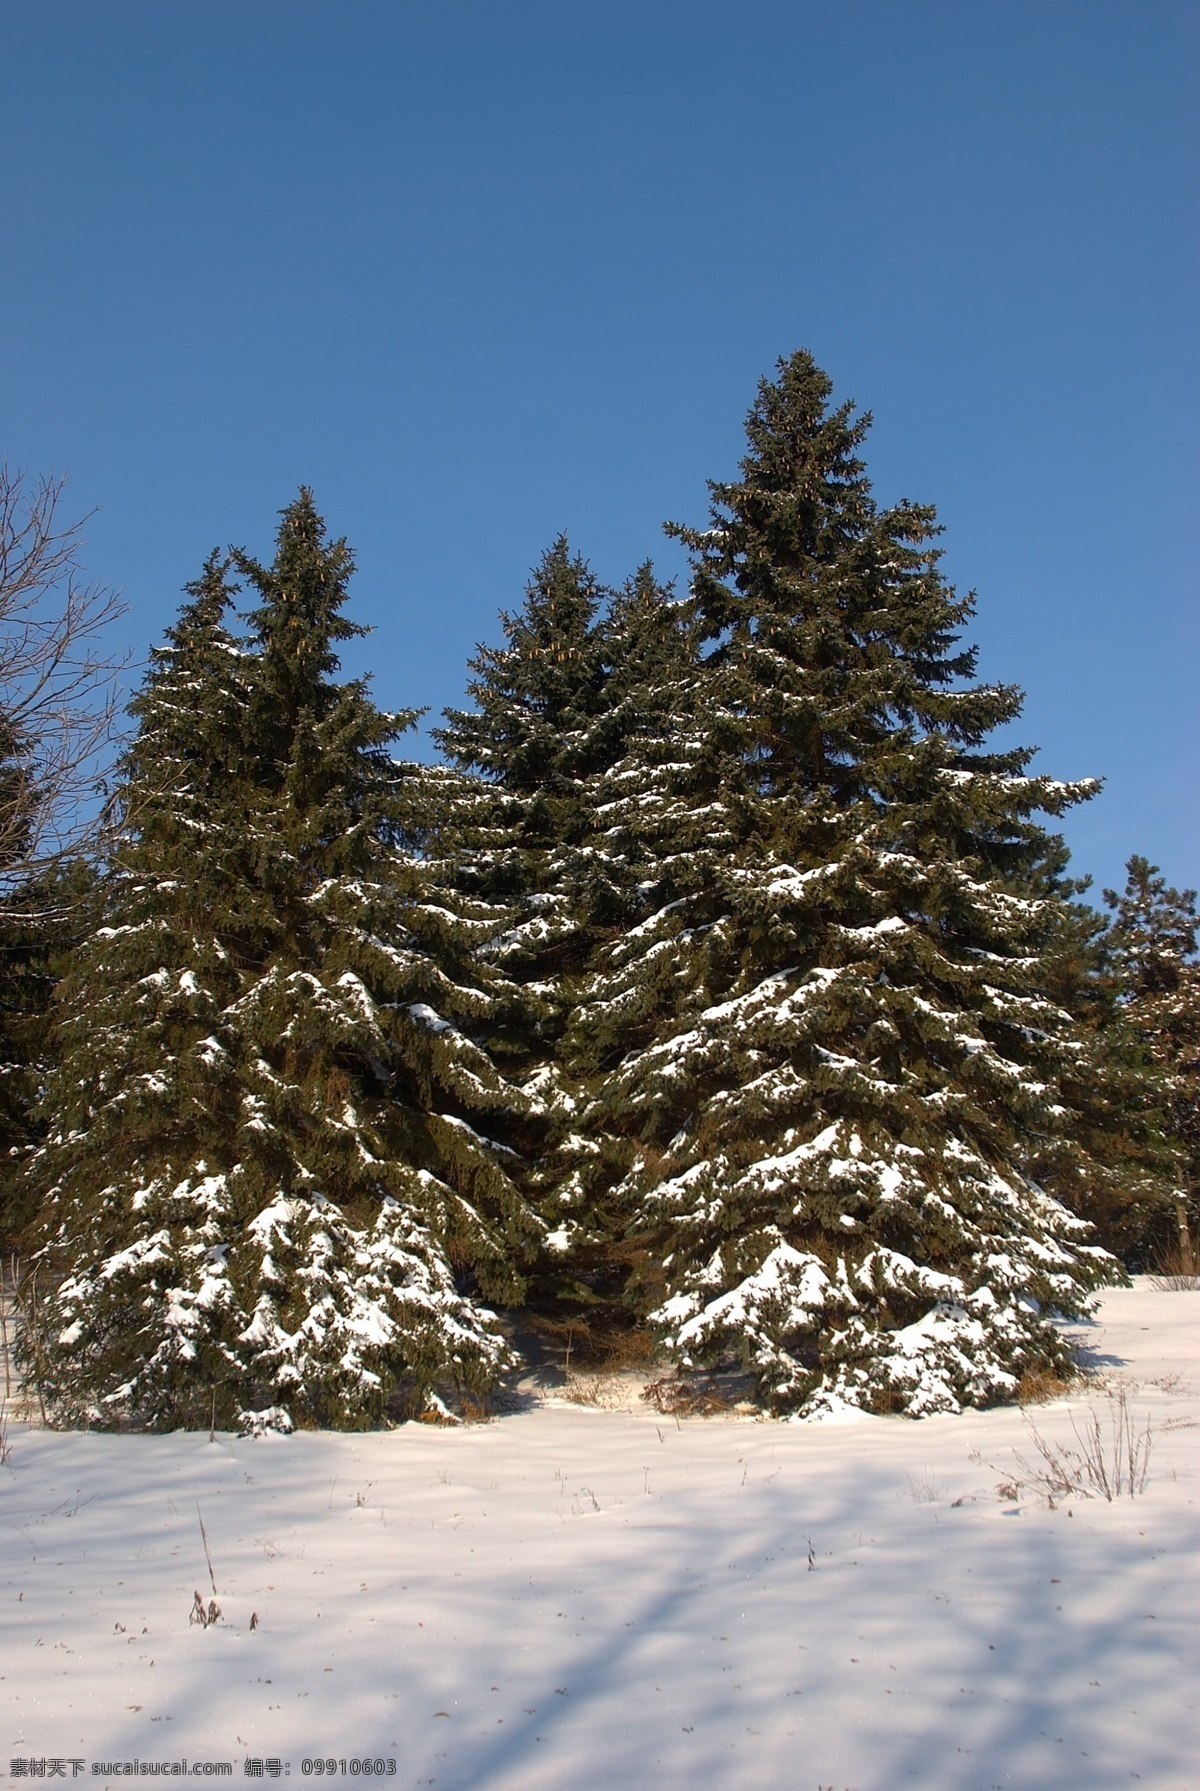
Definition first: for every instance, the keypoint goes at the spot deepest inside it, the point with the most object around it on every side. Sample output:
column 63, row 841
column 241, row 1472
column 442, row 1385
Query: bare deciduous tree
column 58, row 693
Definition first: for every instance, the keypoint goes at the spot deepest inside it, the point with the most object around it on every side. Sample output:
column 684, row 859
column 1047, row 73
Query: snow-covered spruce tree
column 558, row 817
column 268, row 1191
column 1151, row 947
column 644, row 833
column 521, row 752
column 838, row 1126
column 1120, row 1168
column 510, row 805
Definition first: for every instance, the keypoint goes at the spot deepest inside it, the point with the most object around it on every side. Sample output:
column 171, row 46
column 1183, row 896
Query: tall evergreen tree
column 839, row 1124
column 558, row 815
column 1116, row 1126
column 641, row 827
column 521, row 753
column 39, row 911
column 514, row 815
column 1151, row 946
column 270, row 1193
column 42, row 920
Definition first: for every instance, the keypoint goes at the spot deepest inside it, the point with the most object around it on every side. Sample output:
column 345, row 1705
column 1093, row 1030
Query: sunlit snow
column 575, row 1596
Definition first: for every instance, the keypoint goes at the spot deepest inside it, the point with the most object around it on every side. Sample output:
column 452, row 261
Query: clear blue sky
column 481, row 270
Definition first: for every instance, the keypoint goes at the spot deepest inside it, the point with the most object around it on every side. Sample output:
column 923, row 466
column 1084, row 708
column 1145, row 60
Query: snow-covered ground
column 601, row 1599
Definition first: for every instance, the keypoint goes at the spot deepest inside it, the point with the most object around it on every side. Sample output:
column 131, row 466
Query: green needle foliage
column 516, row 822
column 725, row 981
column 521, row 753
column 42, row 922
column 556, row 818
column 1151, row 948
column 270, row 1192
column 839, row 1125
column 642, row 830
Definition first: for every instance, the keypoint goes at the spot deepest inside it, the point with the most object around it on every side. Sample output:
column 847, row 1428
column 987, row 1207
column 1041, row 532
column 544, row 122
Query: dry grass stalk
column 1179, row 1268
column 685, row 1399
column 1110, row 1458
column 1039, row 1385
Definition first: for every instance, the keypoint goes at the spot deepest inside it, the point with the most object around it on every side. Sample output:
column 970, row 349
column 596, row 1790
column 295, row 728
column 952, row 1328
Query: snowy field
column 602, row 1599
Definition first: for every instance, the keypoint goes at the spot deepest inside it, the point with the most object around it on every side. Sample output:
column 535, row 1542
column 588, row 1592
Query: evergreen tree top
column 642, row 631
column 801, row 569
column 803, row 484
column 191, row 709
column 304, row 590
column 534, row 696
column 195, row 640
column 210, row 595
column 1153, row 931
column 321, row 744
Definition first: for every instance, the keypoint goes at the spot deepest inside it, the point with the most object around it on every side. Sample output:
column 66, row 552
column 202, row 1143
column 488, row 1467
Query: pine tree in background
column 644, row 830
column 515, row 817
column 42, row 922
column 521, row 753
column 26, row 986
column 641, row 765
column 838, row 1128
column 1119, row 1168
column 270, row 1191
column 57, row 700
column 560, row 816
column 24, row 997
column 42, row 892
column 1151, row 946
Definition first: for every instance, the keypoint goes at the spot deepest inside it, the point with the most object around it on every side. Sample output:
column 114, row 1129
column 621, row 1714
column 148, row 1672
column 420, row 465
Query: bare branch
column 58, row 697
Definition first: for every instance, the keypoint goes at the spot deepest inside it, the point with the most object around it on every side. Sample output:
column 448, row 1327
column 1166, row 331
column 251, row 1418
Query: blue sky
column 481, row 270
